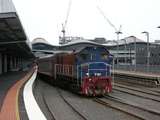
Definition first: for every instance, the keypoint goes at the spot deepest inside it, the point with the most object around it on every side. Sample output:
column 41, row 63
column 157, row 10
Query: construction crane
column 63, row 40
column 117, row 31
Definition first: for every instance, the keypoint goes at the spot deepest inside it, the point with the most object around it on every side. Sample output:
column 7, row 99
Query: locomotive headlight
column 98, row 74
column 87, row 74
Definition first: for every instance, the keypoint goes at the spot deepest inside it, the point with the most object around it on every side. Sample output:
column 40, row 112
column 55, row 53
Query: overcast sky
column 44, row 18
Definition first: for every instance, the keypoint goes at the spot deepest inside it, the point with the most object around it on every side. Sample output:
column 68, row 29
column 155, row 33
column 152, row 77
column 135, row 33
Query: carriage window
column 104, row 56
column 83, row 56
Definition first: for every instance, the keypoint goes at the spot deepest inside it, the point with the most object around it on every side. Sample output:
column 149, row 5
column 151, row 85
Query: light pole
column 125, row 50
column 118, row 33
column 113, row 73
column 113, row 79
column 148, row 51
column 117, row 51
column 135, row 49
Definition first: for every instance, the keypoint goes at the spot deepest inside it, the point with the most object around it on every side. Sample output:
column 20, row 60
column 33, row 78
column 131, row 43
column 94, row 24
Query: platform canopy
column 13, row 39
column 7, row 6
column 10, row 28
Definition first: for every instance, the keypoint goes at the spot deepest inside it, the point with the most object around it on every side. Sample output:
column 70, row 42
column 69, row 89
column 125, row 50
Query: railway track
column 41, row 100
column 125, row 102
column 138, row 92
column 53, row 107
column 132, row 110
column 122, row 106
column 48, row 110
column 137, row 78
column 54, row 115
column 71, row 106
column 115, row 107
column 143, row 90
column 154, row 90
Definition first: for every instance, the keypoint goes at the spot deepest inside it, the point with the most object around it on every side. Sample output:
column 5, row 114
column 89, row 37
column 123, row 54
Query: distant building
column 157, row 41
column 41, row 47
column 99, row 40
column 132, row 50
column 67, row 39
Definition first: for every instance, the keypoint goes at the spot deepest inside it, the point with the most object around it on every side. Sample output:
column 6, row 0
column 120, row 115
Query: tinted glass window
column 104, row 56
column 83, row 56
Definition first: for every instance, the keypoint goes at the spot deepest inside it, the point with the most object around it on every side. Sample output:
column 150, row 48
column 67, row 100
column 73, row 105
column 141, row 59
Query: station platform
column 17, row 101
column 146, row 79
column 11, row 100
column 7, row 81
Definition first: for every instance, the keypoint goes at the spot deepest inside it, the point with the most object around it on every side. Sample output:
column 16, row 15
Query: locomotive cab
column 94, row 71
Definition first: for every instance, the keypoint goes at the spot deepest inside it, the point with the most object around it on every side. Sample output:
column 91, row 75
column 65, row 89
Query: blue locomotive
column 86, row 71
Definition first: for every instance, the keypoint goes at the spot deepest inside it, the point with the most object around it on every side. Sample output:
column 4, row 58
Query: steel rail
column 97, row 100
column 124, row 91
column 71, row 106
column 135, row 106
column 138, row 89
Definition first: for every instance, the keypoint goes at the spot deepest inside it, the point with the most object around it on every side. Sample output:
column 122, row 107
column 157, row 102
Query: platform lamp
column 135, row 47
column 148, row 52
column 125, row 49
column 117, row 51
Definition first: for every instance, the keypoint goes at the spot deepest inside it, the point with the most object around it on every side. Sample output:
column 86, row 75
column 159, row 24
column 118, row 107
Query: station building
column 132, row 50
column 131, row 54
column 40, row 47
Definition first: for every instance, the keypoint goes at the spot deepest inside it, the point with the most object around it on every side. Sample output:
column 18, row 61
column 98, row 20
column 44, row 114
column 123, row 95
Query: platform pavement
column 18, row 101
column 7, row 80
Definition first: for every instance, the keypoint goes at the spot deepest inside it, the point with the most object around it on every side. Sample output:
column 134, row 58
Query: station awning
column 13, row 39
